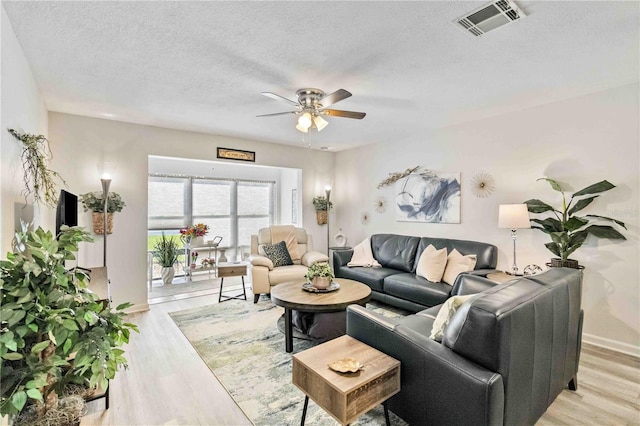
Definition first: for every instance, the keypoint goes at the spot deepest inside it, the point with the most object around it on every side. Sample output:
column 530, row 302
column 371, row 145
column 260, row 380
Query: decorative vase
column 340, row 240
column 98, row 223
column 167, row 274
column 222, row 258
column 321, row 217
column 197, row 242
column 321, row 283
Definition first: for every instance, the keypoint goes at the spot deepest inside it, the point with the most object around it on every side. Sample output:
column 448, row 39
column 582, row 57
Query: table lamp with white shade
column 514, row 217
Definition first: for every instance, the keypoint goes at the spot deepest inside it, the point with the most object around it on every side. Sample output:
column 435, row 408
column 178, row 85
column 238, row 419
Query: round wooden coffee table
column 292, row 297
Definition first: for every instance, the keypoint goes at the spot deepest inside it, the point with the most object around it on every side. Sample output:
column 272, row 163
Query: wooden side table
column 346, row 396
column 232, row 270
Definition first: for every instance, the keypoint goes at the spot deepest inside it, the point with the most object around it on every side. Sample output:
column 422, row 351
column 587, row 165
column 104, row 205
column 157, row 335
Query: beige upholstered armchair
column 300, row 246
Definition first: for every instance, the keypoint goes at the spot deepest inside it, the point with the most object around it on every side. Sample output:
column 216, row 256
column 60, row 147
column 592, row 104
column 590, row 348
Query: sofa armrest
column 257, row 260
column 471, row 284
column 438, row 385
column 311, row 257
column 341, row 258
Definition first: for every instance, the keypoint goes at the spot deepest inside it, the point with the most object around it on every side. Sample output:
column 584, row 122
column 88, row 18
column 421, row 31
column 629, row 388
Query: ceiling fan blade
column 279, row 98
column 278, row 113
column 334, row 97
column 345, row 114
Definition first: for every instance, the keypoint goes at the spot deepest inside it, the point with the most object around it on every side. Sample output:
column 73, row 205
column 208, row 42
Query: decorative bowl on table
column 346, row 365
column 311, row 289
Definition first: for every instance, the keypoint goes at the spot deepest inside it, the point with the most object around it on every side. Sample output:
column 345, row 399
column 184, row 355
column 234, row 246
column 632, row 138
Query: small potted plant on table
column 320, row 275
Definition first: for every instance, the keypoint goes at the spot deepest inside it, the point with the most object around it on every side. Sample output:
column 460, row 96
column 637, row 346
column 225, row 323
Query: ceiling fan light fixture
column 320, row 122
column 302, row 128
column 305, row 120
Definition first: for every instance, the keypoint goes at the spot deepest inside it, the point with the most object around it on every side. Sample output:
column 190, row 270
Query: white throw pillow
column 456, row 264
column 432, row 263
column 446, row 312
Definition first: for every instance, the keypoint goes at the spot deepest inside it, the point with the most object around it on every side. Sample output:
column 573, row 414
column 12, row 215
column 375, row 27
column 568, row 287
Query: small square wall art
column 432, row 197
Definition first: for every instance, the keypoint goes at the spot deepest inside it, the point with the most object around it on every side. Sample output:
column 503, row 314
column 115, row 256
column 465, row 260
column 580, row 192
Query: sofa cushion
column 373, row 277
column 278, row 254
column 432, row 263
column 287, row 273
column 446, row 312
column 486, row 254
column 395, row 251
column 417, row 289
column 457, row 264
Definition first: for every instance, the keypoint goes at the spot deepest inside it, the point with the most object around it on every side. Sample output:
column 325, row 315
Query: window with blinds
column 233, row 209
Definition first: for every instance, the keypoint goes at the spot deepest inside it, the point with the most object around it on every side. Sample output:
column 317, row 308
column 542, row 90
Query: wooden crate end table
column 231, row 269
column 346, row 396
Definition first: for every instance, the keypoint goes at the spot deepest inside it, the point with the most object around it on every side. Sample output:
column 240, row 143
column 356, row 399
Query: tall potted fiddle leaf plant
column 567, row 230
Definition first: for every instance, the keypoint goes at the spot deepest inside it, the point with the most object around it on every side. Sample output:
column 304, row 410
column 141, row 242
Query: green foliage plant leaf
column 48, row 314
column 567, row 231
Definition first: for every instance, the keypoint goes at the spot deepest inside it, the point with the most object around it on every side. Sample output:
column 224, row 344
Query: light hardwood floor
column 168, row 384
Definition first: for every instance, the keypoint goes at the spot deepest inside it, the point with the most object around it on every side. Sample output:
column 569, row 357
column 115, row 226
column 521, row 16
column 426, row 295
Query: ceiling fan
column 312, row 104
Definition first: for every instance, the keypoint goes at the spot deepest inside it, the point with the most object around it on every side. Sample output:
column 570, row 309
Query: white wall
column 84, row 143
column 579, row 141
column 21, row 108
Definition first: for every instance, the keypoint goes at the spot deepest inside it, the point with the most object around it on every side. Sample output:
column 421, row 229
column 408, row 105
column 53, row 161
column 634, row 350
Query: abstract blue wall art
column 432, row 197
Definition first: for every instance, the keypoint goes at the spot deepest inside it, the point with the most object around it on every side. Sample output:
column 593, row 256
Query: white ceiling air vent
column 490, row 17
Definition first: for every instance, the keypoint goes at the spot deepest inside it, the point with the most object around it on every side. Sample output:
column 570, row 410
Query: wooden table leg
column 288, row 330
column 304, row 410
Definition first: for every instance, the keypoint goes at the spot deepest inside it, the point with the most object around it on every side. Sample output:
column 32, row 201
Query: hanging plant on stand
column 94, row 201
column 322, row 207
column 40, row 182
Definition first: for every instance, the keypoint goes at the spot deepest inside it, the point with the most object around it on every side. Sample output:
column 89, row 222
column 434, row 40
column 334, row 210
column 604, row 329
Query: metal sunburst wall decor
column 380, row 204
column 483, row 185
column 364, row 218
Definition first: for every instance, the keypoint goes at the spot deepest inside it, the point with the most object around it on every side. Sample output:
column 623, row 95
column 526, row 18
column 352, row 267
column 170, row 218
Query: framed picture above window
column 236, row 154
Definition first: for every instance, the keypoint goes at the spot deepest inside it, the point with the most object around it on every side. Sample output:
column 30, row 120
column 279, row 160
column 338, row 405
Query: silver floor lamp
column 327, row 191
column 106, row 182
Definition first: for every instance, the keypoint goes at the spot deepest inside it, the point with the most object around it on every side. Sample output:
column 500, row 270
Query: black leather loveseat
column 396, row 282
column 505, row 355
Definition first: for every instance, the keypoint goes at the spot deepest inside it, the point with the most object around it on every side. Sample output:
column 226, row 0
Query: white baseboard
column 613, row 345
column 137, row 308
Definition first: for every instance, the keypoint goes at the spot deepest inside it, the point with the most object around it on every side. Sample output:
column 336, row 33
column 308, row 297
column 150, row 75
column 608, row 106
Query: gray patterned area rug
column 241, row 344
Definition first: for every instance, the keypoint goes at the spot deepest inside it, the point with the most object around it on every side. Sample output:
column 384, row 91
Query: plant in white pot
column 166, row 252
column 320, row 275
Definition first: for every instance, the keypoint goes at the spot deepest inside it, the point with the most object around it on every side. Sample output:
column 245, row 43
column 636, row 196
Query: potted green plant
column 320, row 275
column 166, row 252
column 322, row 207
column 567, row 230
column 94, row 201
column 56, row 335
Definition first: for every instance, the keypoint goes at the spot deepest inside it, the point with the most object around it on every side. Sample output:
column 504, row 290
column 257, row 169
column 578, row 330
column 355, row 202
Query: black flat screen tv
column 67, row 210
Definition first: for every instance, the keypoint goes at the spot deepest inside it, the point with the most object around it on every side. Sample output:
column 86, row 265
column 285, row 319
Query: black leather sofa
column 396, row 282
column 505, row 355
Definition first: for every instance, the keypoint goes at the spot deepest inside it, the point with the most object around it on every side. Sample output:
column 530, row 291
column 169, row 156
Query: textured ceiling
column 202, row 65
